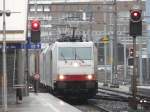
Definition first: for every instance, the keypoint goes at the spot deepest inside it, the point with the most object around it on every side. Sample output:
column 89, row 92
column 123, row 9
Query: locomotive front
column 76, row 74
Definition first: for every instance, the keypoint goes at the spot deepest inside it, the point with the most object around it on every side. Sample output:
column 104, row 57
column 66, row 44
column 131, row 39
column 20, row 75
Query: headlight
column 61, row 77
column 90, row 77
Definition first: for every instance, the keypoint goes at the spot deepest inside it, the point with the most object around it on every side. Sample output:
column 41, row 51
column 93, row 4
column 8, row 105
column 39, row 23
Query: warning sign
column 37, row 76
column 105, row 39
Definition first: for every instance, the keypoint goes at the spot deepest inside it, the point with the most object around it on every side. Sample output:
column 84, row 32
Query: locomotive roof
column 74, row 44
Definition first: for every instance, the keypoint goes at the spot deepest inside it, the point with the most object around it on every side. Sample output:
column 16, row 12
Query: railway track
column 120, row 94
column 114, row 95
column 99, row 107
column 92, row 107
column 110, row 101
column 109, row 106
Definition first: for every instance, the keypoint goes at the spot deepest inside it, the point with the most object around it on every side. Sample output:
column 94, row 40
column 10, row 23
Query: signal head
column 35, row 25
column 135, row 15
column 131, row 52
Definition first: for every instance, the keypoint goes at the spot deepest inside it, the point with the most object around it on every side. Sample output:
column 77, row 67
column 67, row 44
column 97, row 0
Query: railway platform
column 122, row 88
column 41, row 102
column 143, row 91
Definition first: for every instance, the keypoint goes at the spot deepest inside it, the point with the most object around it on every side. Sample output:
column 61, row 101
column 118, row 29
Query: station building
column 94, row 20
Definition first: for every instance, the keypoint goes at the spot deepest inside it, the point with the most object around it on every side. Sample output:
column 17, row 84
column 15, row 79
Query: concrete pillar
column 20, row 74
column 147, row 4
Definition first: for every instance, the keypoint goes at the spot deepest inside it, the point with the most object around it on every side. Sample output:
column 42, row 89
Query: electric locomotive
column 68, row 68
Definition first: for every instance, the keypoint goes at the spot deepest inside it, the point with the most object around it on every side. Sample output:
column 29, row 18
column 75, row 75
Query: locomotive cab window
column 83, row 53
column 66, row 53
column 76, row 53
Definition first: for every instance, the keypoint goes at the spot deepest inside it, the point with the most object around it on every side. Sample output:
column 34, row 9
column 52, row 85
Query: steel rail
column 99, row 107
column 122, row 96
column 124, row 93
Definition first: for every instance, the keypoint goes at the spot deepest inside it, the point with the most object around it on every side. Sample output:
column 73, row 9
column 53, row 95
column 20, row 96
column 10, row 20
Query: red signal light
column 35, row 31
column 135, row 15
column 35, row 25
column 135, row 23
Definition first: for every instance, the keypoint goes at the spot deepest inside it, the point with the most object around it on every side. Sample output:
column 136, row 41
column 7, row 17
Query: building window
column 46, row 8
column 32, row 8
column 39, row 8
column 76, row 16
column 123, row 14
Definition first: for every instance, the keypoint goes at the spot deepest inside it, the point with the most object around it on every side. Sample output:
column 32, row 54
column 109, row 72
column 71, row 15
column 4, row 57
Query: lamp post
column 4, row 13
column 115, row 83
column 105, row 45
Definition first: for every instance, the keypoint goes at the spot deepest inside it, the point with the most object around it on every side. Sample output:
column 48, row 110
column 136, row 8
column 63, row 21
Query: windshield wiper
column 79, row 58
column 63, row 57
